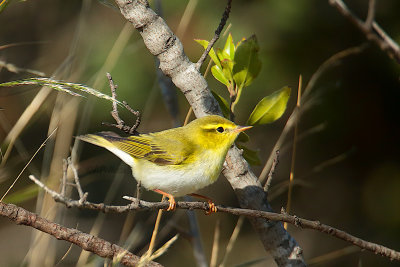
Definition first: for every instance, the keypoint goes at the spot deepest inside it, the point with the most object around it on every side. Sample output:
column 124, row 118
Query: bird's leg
column 211, row 206
column 171, row 199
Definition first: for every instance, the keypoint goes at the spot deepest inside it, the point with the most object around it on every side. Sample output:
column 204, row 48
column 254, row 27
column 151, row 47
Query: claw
column 172, row 203
column 211, row 206
column 171, row 199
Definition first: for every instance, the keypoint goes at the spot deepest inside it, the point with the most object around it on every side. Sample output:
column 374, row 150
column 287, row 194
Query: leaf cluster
column 236, row 67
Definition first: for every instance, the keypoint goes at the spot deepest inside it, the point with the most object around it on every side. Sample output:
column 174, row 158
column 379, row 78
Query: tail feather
column 102, row 139
column 106, row 139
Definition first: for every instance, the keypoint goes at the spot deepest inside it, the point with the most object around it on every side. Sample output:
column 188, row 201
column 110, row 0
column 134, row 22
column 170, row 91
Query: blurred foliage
column 357, row 99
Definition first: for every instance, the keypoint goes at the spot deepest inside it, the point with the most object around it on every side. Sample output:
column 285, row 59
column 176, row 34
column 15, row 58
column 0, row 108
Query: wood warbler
column 177, row 161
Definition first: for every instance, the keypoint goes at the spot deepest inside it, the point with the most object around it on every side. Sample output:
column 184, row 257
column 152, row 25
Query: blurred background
column 347, row 171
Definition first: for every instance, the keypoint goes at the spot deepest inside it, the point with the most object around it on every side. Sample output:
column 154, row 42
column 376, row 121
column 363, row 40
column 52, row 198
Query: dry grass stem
column 232, row 240
column 291, row 177
column 215, row 247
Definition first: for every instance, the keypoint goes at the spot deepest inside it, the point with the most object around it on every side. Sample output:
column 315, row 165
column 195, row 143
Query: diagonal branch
column 161, row 42
column 87, row 242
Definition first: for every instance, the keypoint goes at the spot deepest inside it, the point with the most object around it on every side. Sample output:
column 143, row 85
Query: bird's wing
column 159, row 150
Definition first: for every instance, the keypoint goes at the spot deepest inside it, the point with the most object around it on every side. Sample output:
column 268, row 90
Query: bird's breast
column 179, row 180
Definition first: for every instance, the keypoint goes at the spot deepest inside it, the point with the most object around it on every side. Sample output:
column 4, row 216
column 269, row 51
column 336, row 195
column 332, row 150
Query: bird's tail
column 106, row 140
column 100, row 139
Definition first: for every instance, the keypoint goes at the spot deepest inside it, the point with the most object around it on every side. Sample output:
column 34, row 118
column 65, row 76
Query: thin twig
column 272, row 171
column 218, row 31
column 141, row 205
column 138, row 187
column 371, row 14
column 375, row 33
column 64, row 177
column 77, row 183
column 114, row 113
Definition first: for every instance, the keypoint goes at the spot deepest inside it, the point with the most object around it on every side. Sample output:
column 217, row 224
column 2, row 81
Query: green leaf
column 247, row 64
column 229, row 48
column 223, row 104
column 219, row 75
column 227, row 66
column 251, row 156
column 220, row 55
column 270, row 108
column 213, row 56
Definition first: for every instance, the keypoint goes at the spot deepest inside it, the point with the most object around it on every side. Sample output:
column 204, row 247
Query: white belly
column 173, row 179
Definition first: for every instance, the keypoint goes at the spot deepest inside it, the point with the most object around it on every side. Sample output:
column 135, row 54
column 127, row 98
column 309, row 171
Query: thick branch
column 161, row 42
column 85, row 241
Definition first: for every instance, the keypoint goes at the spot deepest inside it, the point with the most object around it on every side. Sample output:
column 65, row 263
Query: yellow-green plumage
column 177, row 161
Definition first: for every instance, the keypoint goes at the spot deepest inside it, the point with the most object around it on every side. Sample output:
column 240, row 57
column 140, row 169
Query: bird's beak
column 242, row 128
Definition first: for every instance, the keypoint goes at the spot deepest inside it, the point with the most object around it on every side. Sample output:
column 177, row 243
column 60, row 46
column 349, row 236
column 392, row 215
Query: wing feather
column 164, row 151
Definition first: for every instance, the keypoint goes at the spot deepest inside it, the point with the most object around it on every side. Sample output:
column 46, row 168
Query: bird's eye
column 220, row 129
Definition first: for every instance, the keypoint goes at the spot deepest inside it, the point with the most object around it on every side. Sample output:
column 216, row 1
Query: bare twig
column 371, row 14
column 82, row 196
column 114, row 113
column 375, row 33
column 87, row 242
column 270, row 216
column 272, row 171
column 138, row 187
column 218, row 31
column 64, row 177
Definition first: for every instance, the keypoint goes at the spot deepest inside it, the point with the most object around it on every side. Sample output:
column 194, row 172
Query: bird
column 177, row 161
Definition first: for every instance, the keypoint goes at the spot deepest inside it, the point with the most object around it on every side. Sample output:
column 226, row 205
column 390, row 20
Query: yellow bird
column 177, row 161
